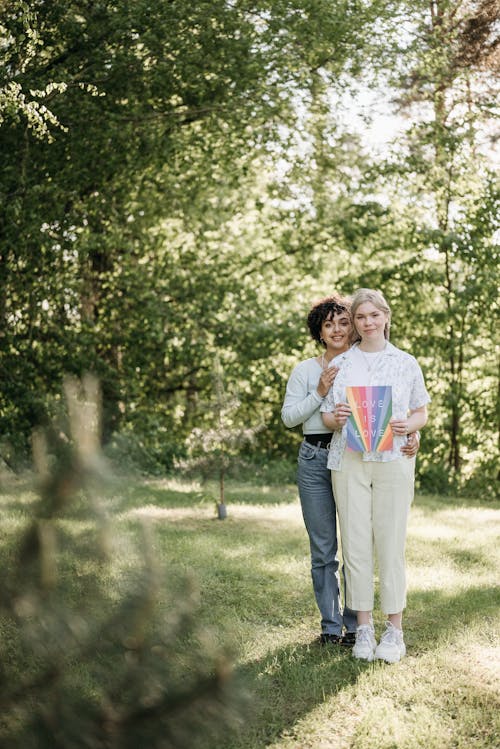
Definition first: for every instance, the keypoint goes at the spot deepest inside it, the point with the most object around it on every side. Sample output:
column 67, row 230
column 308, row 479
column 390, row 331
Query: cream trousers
column 373, row 501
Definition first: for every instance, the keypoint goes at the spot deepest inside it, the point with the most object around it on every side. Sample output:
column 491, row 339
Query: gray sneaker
column 364, row 647
column 391, row 647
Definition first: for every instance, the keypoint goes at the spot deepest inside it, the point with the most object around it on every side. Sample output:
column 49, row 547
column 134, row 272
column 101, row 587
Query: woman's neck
column 372, row 346
column 330, row 354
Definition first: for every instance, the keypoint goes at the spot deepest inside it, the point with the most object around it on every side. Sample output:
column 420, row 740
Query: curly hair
column 325, row 309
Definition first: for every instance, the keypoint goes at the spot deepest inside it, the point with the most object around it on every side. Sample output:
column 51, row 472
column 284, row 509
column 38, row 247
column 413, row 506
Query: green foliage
column 213, row 448
column 140, row 201
column 89, row 660
column 181, row 180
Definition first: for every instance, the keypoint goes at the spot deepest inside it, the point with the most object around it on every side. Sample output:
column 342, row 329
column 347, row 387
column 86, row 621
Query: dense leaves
column 91, row 658
column 180, row 181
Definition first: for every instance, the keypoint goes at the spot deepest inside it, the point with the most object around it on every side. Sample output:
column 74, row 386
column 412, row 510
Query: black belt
column 323, row 440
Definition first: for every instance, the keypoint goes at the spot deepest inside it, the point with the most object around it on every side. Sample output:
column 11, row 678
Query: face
column 370, row 322
column 335, row 332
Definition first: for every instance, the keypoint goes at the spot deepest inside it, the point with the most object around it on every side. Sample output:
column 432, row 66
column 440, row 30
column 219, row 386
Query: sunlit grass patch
column 452, row 547
column 442, row 700
column 251, row 577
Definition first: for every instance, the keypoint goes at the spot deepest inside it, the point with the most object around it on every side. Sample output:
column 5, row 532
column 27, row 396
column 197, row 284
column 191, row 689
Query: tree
column 202, row 186
column 443, row 250
column 212, row 449
column 86, row 664
column 155, row 122
column 418, row 219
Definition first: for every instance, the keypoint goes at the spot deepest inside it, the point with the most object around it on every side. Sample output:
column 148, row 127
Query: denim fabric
column 318, row 509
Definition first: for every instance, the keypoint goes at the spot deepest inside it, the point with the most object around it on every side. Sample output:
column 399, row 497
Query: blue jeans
column 318, row 509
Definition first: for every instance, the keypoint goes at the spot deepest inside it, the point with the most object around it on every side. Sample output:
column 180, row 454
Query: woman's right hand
column 326, row 380
column 341, row 413
column 410, row 448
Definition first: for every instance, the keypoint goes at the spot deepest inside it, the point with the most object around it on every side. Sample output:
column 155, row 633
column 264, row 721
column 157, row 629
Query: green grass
column 251, row 574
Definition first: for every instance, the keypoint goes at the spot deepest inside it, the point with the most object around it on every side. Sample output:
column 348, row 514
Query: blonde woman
column 373, row 489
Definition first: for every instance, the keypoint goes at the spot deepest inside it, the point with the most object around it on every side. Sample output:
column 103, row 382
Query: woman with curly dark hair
column 330, row 325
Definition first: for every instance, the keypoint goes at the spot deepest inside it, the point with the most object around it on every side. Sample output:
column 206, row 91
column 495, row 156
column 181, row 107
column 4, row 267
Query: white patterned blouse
column 393, row 367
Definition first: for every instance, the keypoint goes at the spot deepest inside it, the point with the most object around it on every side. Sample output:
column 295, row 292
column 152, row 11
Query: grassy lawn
column 252, row 581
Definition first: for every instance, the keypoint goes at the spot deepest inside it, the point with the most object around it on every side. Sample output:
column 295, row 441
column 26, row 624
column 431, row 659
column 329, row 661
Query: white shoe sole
column 390, row 657
column 364, row 657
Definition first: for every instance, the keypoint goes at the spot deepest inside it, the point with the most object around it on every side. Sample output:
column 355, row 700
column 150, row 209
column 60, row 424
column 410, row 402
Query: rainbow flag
column 368, row 426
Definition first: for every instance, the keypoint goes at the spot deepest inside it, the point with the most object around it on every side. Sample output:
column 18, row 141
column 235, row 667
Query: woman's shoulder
column 345, row 356
column 306, row 365
column 403, row 356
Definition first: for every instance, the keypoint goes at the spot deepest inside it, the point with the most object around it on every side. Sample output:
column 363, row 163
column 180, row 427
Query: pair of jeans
column 320, row 518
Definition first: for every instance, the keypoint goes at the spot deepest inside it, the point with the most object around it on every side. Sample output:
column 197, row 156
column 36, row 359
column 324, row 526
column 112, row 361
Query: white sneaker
column 391, row 647
column 364, row 647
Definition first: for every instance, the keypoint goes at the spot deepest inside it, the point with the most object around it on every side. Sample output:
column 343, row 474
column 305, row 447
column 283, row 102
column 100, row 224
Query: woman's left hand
column 410, row 448
column 399, row 427
column 326, row 380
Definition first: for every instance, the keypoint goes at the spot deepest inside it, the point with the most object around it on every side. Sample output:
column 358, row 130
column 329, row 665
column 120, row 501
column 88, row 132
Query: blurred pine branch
column 83, row 664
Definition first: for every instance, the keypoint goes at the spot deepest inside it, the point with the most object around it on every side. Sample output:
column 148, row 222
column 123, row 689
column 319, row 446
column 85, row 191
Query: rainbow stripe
column 368, row 427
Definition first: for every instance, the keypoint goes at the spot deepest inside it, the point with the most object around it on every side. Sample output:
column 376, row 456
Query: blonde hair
column 378, row 300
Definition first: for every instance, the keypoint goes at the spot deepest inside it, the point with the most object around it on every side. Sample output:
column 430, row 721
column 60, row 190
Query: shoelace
column 391, row 635
column 364, row 632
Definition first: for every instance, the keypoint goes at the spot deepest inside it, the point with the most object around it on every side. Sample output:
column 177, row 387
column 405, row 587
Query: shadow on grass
column 18, row 495
column 289, row 682
column 426, row 556
column 286, row 685
column 262, row 495
column 432, row 616
column 438, row 503
column 465, row 558
column 167, row 493
column 155, row 494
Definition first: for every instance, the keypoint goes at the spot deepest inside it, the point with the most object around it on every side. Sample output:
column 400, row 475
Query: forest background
column 181, row 180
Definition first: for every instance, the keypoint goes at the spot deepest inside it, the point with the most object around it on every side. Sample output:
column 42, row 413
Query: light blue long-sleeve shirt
column 302, row 400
